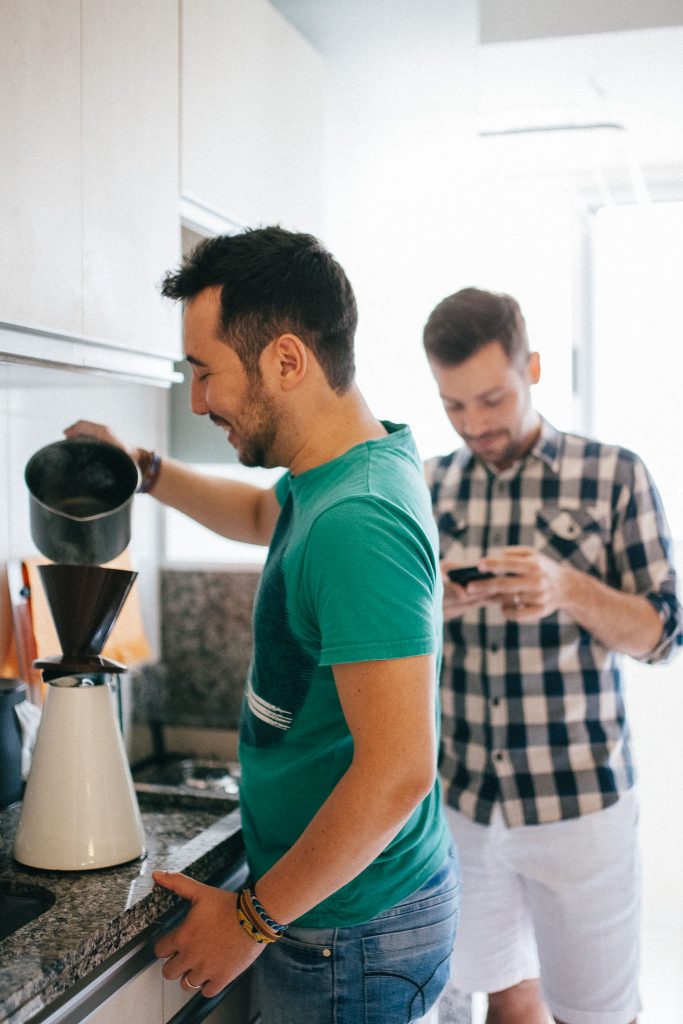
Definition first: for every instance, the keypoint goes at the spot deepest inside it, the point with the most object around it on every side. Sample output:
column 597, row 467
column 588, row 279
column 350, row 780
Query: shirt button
column 495, row 701
column 327, row 952
column 494, row 648
column 498, row 755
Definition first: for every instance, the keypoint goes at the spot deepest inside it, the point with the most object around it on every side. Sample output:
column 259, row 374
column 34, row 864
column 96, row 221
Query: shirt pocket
column 576, row 535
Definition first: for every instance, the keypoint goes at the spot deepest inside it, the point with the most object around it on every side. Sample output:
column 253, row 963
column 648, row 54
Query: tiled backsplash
column 205, row 648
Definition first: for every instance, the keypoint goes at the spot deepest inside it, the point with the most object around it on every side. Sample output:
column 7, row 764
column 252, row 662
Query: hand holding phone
column 466, row 574
column 469, row 573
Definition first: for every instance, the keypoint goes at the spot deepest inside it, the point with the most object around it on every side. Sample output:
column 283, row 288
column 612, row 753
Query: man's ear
column 288, row 360
column 534, row 367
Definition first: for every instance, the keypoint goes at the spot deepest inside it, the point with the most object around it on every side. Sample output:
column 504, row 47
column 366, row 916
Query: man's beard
column 258, row 445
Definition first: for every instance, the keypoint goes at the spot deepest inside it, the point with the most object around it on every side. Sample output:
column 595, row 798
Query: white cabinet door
column 251, row 119
column 40, row 178
column 137, row 1002
column 131, row 231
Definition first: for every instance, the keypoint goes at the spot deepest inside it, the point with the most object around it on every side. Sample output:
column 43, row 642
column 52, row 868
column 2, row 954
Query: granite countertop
column 96, row 913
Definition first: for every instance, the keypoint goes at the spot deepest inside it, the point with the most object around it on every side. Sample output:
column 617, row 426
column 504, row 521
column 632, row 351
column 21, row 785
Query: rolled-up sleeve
column 643, row 554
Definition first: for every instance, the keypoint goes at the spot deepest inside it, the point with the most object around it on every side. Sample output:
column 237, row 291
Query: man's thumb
column 181, row 885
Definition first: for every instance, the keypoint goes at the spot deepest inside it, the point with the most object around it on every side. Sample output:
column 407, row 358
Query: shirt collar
column 547, row 447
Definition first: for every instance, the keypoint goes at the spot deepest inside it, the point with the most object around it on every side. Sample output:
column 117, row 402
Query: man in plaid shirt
column 536, row 757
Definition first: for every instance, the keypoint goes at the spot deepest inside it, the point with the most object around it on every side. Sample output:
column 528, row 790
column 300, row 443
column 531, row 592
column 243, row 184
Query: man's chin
column 252, row 460
column 491, row 450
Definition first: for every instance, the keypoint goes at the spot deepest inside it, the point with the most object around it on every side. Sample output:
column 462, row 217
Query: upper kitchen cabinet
column 90, row 184
column 251, row 115
column 40, row 166
column 131, row 231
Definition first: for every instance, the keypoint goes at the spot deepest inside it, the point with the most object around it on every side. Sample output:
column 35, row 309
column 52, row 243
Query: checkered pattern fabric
column 533, row 714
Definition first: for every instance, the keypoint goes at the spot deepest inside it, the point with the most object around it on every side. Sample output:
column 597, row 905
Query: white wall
column 400, row 104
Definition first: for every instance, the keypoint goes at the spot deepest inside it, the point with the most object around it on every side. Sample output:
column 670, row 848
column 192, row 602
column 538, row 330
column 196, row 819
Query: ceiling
column 500, row 21
column 596, row 95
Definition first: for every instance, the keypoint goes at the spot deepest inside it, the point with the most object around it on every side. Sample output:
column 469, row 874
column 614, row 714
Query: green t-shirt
column 352, row 575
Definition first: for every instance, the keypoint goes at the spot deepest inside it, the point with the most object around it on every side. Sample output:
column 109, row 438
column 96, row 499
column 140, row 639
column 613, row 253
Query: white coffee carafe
column 79, row 808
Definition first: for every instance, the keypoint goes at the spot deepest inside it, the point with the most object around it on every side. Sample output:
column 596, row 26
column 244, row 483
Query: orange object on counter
column 9, row 663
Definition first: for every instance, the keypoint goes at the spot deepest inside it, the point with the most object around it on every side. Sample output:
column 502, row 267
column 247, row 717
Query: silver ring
column 189, row 983
column 516, row 601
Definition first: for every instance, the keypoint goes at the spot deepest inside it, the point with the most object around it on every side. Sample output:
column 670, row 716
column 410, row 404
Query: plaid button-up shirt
column 533, row 714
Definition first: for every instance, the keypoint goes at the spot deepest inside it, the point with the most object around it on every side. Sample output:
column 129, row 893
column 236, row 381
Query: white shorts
column 560, row 902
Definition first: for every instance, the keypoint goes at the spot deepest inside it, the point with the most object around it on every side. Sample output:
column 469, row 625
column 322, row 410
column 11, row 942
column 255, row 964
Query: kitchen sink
column 192, row 775
column 20, row 905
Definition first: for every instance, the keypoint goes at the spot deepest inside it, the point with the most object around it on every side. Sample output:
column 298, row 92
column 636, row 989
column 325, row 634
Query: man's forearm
column 357, row 821
column 627, row 623
column 228, row 507
column 236, row 510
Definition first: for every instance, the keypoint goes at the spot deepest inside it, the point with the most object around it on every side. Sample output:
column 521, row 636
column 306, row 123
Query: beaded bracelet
column 149, row 464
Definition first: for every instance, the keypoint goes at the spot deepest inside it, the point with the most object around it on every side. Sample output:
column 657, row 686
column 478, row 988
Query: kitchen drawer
column 139, row 1000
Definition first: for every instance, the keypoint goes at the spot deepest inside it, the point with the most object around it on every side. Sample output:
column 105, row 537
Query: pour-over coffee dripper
column 85, row 602
column 79, row 809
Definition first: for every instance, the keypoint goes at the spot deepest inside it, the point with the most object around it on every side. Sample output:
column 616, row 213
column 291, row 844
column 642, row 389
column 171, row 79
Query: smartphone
column 467, row 573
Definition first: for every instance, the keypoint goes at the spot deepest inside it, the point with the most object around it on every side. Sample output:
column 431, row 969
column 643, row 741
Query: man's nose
column 475, row 422
column 198, row 398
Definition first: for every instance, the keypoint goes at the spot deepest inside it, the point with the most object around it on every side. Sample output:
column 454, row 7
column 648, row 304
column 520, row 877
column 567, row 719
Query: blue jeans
column 390, row 970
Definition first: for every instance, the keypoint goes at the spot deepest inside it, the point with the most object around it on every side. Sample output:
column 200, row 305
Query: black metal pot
column 81, row 493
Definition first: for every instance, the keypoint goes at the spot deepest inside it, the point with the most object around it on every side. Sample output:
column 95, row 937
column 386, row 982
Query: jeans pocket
column 302, row 955
column 294, row 981
column 406, row 971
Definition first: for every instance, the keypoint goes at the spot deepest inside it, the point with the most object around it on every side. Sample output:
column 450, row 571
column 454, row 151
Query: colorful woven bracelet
column 278, row 928
column 254, row 913
column 251, row 930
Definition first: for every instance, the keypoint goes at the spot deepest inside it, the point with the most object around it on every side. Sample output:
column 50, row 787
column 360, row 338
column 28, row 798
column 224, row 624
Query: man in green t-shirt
column 351, row 913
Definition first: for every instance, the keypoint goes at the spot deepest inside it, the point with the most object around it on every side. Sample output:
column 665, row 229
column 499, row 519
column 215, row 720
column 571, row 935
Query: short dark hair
column 464, row 323
column 274, row 281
